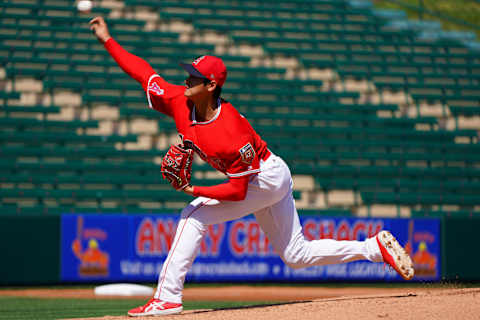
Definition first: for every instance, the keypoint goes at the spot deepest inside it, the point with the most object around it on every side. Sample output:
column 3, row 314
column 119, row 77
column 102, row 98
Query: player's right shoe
column 156, row 307
column 395, row 255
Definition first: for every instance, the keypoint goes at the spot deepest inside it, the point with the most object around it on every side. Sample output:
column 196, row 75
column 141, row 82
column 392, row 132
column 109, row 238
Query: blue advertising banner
column 133, row 248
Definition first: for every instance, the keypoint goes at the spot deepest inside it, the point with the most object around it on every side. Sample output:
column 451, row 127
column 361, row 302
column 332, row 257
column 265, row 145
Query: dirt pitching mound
column 443, row 304
column 226, row 293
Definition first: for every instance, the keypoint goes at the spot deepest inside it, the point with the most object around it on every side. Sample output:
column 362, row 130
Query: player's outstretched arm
column 134, row 66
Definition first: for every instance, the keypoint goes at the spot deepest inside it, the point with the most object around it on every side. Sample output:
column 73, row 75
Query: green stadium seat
column 371, row 61
column 375, row 172
column 28, row 138
column 159, row 46
column 85, row 32
column 76, row 152
column 465, row 111
column 26, row 19
column 168, row 194
column 324, row 212
column 352, row 119
column 324, row 107
column 398, row 185
column 259, row 10
column 9, row 95
column 270, row 86
column 420, row 198
column 360, row 132
column 377, row 54
column 352, row 144
column 31, row 109
column 42, row 8
column 23, row 123
column 381, row 84
column 148, row 54
column 314, row 155
column 57, row 210
column 85, row 167
column 440, row 214
column 447, row 98
column 90, row 179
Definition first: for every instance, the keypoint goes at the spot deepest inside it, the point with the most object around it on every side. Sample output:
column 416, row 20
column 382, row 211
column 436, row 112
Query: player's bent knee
column 294, row 264
column 294, row 260
column 194, row 206
column 188, row 217
column 296, row 254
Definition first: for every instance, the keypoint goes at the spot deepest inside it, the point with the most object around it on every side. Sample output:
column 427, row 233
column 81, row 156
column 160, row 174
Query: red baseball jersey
column 227, row 141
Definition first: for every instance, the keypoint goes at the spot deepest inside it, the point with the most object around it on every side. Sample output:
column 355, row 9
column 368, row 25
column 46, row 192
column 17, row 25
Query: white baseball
column 84, row 5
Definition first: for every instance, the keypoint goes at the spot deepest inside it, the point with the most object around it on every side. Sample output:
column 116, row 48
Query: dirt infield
column 441, row 304
column 229, row 293
column 311, row 303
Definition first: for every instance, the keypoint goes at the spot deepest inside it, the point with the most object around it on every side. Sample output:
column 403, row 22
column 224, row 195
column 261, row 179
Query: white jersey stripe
column 236, row 175
column 148, row 91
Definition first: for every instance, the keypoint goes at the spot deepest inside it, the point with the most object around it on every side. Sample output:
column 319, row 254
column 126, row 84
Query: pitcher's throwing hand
column 100, row 29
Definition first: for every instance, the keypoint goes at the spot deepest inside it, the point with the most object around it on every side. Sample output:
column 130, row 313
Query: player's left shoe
column 156, row 307
column 395, row 255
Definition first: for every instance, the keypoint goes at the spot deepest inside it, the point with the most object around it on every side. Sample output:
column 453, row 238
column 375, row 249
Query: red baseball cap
column 207, row 67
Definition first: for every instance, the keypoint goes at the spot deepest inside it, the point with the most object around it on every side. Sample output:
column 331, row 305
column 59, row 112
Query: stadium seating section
column 374, row 116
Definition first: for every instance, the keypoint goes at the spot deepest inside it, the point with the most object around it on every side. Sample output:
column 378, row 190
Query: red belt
column 266, row 155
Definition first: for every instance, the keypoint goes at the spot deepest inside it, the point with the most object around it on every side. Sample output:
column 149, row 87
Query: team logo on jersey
column 155, row 88
column 247, row 153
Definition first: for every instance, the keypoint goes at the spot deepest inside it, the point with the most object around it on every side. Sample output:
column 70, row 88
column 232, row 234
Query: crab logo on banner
column 420, row 247
column 93, row 261
column 247, row 153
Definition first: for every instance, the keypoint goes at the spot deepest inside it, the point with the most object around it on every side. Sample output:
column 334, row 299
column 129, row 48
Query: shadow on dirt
column 255, row 306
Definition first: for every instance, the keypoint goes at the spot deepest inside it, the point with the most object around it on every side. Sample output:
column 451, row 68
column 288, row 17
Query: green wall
column 461, row 248
column 30, row 247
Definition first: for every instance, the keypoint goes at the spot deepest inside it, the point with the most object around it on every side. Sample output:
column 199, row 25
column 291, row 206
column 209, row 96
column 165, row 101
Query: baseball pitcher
column 259, row 182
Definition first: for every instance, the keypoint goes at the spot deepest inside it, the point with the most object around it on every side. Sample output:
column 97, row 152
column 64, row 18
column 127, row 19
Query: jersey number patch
column 247, row 153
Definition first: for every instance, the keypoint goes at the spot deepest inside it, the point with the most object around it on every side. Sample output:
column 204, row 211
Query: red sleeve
column 233, row 190
column 161, row 95
column 135, row 67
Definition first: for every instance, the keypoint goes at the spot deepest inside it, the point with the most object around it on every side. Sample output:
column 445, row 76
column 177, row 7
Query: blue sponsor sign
column 134, row 247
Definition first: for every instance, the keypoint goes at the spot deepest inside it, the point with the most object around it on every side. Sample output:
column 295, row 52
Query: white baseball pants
column 270, row 198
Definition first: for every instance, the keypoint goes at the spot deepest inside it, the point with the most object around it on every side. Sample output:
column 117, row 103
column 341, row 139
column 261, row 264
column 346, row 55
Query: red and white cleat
column 156, row 307
column 395, row 255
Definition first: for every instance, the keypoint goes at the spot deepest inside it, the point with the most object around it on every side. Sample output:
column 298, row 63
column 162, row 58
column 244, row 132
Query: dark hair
column 217, row 92
column 218, row 89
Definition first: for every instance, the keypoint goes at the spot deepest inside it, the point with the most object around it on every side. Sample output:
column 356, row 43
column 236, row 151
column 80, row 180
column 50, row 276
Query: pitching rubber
column 395, row 255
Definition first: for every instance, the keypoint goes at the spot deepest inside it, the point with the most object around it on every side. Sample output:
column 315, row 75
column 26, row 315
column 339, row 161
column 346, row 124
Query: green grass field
column 16, row 308
column 13, row 308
